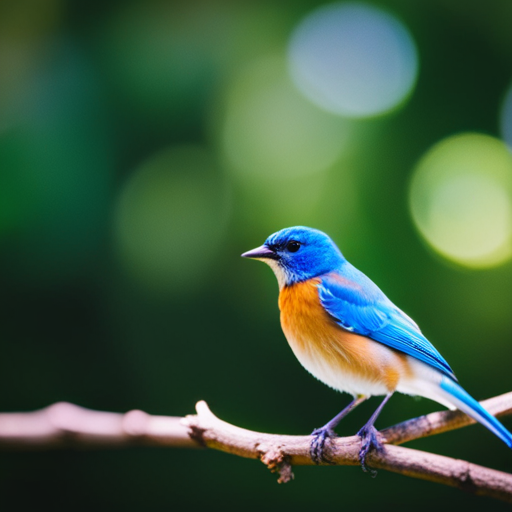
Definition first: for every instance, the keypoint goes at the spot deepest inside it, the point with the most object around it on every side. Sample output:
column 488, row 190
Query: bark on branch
column 68, row 425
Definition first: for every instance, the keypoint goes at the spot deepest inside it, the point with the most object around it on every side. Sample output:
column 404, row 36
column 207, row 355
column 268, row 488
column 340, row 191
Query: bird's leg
column 316, row 450
column 369, row 436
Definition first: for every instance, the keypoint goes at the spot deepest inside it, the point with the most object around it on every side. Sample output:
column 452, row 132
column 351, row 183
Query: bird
column 348, row 334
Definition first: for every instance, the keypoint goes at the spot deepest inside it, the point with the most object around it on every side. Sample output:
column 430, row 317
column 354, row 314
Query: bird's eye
column 293, row 246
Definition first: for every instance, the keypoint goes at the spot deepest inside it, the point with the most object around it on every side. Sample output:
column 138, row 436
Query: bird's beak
column 262, row 252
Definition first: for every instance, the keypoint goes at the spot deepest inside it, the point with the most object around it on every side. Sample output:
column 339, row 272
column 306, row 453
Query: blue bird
column 349, row 335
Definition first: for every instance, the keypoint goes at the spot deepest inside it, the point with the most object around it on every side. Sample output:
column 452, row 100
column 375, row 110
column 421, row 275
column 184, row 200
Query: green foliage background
column 93, row 92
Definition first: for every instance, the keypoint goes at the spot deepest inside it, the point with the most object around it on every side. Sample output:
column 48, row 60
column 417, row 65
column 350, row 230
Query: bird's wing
column 359, row 306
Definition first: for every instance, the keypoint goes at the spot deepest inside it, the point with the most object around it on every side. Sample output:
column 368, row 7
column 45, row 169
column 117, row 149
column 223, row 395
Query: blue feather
column 471, row 407
column 359, row 306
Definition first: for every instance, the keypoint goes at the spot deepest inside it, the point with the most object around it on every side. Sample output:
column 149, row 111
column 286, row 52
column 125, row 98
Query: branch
column 68, row 425
column 444, row 421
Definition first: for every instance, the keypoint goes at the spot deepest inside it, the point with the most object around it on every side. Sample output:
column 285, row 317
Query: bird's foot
column 369, row 439
column 317, row 448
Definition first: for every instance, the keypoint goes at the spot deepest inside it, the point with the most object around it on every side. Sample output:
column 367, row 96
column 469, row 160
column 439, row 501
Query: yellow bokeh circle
column 461, row 199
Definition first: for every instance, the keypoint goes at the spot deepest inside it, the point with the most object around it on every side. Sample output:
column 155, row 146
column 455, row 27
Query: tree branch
column 68, row 425
column 443, row 421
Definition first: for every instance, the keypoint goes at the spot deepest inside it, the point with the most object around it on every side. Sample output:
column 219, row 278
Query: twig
column 68, row 425
column 443, row 421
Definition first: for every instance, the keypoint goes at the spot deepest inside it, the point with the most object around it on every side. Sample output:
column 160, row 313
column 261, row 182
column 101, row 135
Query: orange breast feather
column 340, row 358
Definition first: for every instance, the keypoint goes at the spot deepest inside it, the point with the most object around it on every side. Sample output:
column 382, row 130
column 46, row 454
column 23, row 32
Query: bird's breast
column 341, row 359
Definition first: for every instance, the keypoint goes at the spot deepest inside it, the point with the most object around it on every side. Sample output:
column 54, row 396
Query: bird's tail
column 454, row 394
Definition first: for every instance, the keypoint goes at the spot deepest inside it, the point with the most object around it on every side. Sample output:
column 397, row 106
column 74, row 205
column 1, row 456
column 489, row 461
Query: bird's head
column 297, row 254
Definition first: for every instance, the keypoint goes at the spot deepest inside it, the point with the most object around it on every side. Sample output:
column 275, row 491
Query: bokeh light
column 506, row 118
column 353, row 59
column 170, row 219
column 269, row 129
column 461, row 199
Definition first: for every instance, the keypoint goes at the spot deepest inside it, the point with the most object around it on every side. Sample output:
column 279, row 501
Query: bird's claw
column 316, row 450
column 369, row 439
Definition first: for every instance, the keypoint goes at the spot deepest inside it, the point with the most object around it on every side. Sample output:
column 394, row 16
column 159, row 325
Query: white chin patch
column 280, row 272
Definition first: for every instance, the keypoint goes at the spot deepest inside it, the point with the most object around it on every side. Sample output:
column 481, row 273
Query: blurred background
column 145, row 145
